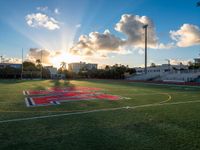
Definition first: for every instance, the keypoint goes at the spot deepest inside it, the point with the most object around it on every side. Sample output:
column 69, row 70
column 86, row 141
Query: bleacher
column 149, row 76
column 172, row 76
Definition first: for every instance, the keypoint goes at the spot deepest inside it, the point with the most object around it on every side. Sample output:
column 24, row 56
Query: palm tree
column 153, row 65
column 38, row 63
column 63, row 65
column 107, row 67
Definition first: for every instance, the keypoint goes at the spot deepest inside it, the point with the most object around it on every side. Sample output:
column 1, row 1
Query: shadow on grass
column 61, row 83
column 56, row 83
column 52, row 83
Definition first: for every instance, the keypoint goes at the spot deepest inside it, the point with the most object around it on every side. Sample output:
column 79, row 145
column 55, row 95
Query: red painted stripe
column 74, row 97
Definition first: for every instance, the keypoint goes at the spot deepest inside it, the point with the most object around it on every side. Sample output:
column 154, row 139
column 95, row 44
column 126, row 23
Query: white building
column 197, row 60
column 161, row 69
column 168, row 73
column 76, row 67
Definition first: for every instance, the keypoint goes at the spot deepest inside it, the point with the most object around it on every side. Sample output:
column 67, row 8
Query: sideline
column 98, row 110
column 169, row 98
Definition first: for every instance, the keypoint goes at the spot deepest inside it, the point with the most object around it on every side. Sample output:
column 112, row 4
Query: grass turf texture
column 160, row 127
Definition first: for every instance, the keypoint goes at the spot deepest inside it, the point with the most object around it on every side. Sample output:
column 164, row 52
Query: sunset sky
column 99, row 31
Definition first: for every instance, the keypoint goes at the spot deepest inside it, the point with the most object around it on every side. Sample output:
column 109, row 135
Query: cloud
column 132, row 27
column 42, row 8
column 35, row 54
column 165, row 46
column 129, row 25
column 11, row 60
column 141, row 51
column 178, row 61
column 78, row 25
column 88, row 45
column 39, row 20
column 45, row 55
column 56, row 11
column 46, row 10
column 187, row 35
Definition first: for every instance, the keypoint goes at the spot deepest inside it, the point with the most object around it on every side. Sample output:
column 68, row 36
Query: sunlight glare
column 64, row 57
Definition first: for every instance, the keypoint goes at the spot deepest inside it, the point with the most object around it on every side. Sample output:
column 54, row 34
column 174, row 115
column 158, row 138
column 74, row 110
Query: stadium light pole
column 41, row 65
column 145, row 43
column 22, row 64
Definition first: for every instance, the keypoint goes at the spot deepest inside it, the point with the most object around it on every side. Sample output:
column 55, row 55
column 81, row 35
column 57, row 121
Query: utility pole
column 145, row 28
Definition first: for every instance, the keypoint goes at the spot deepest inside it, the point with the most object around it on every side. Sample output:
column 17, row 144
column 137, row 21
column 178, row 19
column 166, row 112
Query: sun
column 64, row 57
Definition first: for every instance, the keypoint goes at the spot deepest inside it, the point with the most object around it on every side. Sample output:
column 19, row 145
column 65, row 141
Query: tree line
column 27, row 70
column 116, row 71
column 36, row 70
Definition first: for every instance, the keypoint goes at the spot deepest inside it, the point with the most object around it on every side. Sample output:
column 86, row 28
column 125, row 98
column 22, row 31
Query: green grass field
column 171, row 123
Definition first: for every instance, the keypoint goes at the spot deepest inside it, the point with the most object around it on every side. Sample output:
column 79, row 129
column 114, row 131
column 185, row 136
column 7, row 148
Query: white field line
column 24, row 92
column 98, row 110
column 59, row 115
column 169, row 98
